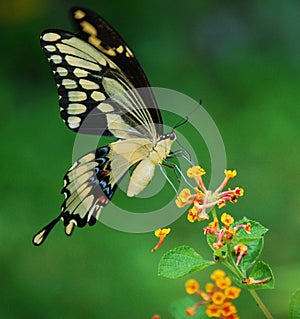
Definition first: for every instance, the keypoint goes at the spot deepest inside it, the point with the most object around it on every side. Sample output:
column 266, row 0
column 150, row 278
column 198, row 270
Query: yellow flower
column 223, row 283
column 213, row 310
column 218, row 274
column 227, row 219
column 195, row 171
column 209, row 287
column 162, row 233
column 183, row 197
column 218, row 298
column 190, row 311
column 232, row 292
column 228, row 309
column 230, row 173
column 193, row 214
column 191, row 286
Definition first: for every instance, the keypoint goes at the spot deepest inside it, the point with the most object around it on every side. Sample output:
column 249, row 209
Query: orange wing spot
column 103, row 199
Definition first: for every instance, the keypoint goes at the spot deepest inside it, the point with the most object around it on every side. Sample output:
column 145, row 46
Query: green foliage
column 294, row 306
column 260, row 272
column 257, row 231
column 181, row 261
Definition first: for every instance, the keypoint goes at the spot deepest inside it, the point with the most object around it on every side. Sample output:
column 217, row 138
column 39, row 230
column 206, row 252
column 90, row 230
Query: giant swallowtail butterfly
column 97, row 77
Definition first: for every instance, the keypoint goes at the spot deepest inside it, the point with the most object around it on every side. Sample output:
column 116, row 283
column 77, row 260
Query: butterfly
column 98, row 80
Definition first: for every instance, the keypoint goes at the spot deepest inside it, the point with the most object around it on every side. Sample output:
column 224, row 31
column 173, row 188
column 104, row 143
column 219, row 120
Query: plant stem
column 233, row 267
column 260, row 304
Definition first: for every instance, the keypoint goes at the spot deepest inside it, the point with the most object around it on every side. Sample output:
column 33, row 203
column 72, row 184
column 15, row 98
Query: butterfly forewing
column 96, row 31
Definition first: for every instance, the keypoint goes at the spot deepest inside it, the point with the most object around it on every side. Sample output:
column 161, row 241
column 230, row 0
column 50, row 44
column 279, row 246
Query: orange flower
column 161, row 234
column 223, row 283
column 232, row 292
column 218, row 298
column 228, row 308
column 227, row 219
column 241, row 250
column 213, row 310
column 195, row 171
column 218, row 274
column 230, row 173
column 203, row 198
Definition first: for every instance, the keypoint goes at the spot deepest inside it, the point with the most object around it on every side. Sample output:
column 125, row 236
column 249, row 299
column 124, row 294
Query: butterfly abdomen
column 144, row 171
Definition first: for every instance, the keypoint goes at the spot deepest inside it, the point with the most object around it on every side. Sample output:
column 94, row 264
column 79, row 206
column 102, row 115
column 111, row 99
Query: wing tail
column 40, row 237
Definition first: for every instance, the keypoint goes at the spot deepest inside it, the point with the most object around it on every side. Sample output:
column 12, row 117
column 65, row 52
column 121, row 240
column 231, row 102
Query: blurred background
column 242, row 59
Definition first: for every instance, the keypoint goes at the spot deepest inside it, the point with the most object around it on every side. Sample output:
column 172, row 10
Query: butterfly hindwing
column 87, row 189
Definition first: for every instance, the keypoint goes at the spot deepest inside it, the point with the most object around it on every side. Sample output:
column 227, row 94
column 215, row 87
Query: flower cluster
column 216, row 297
column 204, row 199
column 226, row 232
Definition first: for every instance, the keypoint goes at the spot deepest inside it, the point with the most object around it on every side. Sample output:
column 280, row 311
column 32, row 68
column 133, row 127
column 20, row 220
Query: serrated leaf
column 178, row 307
column 294, row 306
column 257, row 231
column 181, row 261
column 254, row 250
column 261, row 271
column 211, row 239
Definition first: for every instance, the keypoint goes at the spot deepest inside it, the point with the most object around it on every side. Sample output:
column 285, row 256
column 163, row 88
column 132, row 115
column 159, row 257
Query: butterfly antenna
column 186, row 118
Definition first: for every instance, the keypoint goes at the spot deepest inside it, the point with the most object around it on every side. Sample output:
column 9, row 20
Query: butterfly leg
column 166, row 176
column 182, row 153
column 178, row 171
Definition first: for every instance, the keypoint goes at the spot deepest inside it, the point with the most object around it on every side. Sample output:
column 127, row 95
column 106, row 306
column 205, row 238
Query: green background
column 242, row 59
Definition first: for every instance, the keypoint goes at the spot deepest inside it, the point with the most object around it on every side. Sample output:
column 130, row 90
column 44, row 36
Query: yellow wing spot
column 79, row 14
column 88, row 85
column 78, row 62
column 98, row 96
column 75, row 96
column 105, row 107
column 50, row 48
column 74, row 121
column 56, row 59
column 120, row 49
column 69, row 84
column 76, row 108
column 62, row 71
column 96, row 42
column 51, row 37
column 80, row 73
column 88, row 28
column 70, row 227
column 38, row 238
column 128, row 52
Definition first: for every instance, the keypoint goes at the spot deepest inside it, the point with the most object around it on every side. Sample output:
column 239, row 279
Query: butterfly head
column 169, row 136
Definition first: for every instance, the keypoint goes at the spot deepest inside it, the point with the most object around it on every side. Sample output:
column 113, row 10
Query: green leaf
column 257, row 231
column 254, row 250
column 211, row 239
column 294, row 306
column 178, row 307
column 261, row 271
column 181, row 261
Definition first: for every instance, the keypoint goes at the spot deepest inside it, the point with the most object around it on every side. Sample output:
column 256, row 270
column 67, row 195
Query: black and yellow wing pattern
column 102, row 91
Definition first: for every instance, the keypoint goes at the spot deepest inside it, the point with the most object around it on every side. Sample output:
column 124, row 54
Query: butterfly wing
column 91, row 182
column 97, row 78
column 92, row 87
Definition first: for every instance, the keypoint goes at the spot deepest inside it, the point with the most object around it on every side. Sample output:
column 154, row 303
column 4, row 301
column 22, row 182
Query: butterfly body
column 102, row 91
